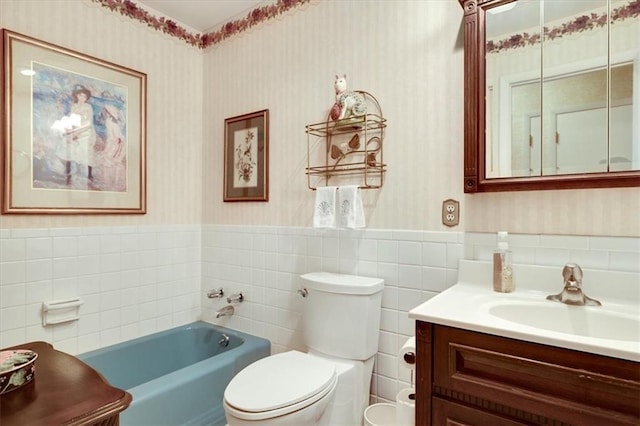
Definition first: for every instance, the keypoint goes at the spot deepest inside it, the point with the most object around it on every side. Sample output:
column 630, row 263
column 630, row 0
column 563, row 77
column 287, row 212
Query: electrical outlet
column 450, row 212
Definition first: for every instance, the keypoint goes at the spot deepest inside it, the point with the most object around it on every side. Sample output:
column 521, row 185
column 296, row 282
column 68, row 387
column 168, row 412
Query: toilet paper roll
column 407, row 354
column 406, row 407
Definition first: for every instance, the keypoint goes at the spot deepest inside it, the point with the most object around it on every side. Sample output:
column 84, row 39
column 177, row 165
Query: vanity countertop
column 612, row 329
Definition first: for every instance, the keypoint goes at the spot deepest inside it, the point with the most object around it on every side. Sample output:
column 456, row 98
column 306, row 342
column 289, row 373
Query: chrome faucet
column 572, row 293
column 215, row 294
column 235, row 298
column 227, row 311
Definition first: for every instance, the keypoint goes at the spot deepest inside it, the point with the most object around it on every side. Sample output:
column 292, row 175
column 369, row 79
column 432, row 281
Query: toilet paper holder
column 407, row 355
column 410, row 358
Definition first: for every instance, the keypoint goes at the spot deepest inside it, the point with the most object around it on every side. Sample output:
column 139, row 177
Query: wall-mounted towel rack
column 350, row 147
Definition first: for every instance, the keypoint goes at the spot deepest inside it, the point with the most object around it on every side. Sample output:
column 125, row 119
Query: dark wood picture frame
column 246, row 157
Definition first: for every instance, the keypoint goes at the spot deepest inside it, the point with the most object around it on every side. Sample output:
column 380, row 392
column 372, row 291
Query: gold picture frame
column 74, row 131
column 246, row 157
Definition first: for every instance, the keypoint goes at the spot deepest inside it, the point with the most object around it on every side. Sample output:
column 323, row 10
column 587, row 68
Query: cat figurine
column 348, row 103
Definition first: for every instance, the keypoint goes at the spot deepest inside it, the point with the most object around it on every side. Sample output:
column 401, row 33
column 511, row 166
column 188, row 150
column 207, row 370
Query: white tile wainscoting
column 266, row 263
column 133, row 280
column 136, row 280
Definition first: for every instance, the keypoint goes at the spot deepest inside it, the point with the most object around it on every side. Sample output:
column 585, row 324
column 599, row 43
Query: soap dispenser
column 502, row 266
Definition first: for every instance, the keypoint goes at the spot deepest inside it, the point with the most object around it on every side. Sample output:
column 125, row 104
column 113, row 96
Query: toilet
column 328, row 384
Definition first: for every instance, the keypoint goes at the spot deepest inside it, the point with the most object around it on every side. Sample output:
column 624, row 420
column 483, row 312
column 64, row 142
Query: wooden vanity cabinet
column 471, row 378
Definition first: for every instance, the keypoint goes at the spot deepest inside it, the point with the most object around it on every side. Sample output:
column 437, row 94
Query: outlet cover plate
column 450, row 212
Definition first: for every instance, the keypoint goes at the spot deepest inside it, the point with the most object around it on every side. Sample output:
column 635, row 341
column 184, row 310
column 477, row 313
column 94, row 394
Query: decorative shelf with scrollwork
column 349, row 148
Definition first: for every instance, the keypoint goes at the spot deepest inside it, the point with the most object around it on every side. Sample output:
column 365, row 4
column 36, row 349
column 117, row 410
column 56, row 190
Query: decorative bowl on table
column 17, row 368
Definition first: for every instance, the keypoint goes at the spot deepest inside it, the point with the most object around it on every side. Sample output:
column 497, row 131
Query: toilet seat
column 279, row 385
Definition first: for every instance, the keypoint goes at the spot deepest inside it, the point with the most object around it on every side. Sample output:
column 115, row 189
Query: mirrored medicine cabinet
column 552, row 94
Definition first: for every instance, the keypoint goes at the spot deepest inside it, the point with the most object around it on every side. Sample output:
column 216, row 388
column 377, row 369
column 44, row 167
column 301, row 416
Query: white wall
column 265, row 263
column 133, row 280
column 142, row 273
column 174, row 103
column 136, row 280
column 408, row 54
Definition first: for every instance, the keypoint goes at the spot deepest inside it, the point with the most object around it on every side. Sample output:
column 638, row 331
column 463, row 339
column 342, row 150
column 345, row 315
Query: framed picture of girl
column 74, row 131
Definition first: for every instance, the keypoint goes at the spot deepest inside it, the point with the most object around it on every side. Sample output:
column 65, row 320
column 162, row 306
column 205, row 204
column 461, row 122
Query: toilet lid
column 278, row 381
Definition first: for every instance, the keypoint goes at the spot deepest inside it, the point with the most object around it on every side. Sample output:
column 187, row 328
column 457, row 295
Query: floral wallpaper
column 260, row 14
column 579, row 24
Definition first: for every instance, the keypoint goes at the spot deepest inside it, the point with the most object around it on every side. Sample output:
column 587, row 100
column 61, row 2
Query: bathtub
column 178, row 376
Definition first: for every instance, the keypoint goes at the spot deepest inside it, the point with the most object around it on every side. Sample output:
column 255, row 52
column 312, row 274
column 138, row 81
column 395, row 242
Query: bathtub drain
column 224, row 341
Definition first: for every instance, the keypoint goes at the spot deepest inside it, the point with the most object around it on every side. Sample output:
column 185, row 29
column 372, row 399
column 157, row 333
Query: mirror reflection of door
column 535, row 147
column 576, row 134
column 621, row 153
column 587, row 127
column 581, row 141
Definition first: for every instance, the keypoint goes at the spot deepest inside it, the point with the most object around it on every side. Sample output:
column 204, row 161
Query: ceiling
column 201, row 15
column 526, row 14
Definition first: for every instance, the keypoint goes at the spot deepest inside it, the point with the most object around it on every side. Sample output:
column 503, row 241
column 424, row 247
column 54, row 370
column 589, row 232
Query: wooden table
column 65, row 391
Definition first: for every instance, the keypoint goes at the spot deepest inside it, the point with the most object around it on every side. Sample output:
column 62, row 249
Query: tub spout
column 227, row 311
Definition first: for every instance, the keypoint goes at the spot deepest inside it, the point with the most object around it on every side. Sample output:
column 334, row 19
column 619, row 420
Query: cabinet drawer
column 564, row 385
column 447, row 413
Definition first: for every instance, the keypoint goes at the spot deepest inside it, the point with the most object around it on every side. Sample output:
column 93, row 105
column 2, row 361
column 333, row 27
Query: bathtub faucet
column 227, row 311
column 235, row 298
column 572, row 293
column 215, row 294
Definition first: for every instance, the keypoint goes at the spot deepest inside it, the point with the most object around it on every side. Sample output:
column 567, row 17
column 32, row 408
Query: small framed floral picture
column 246, row 157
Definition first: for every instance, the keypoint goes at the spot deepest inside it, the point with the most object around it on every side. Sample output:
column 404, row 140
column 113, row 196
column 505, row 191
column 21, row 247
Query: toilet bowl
column 290, row 388
column 328, row 385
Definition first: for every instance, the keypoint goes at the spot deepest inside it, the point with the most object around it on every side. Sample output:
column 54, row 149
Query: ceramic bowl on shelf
column 17, row 368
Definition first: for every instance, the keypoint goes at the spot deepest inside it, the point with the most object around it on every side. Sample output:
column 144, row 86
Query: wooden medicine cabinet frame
column 475, row 179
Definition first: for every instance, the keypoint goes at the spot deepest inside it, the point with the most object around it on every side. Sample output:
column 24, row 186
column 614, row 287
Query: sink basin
column 594, row 322
column 612, row 329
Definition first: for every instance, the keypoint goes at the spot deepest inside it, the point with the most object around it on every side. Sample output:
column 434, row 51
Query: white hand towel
column 324, row 214
column 351, row 211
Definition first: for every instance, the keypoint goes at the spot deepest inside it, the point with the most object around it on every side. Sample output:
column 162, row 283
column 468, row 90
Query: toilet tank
column 341, row 314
